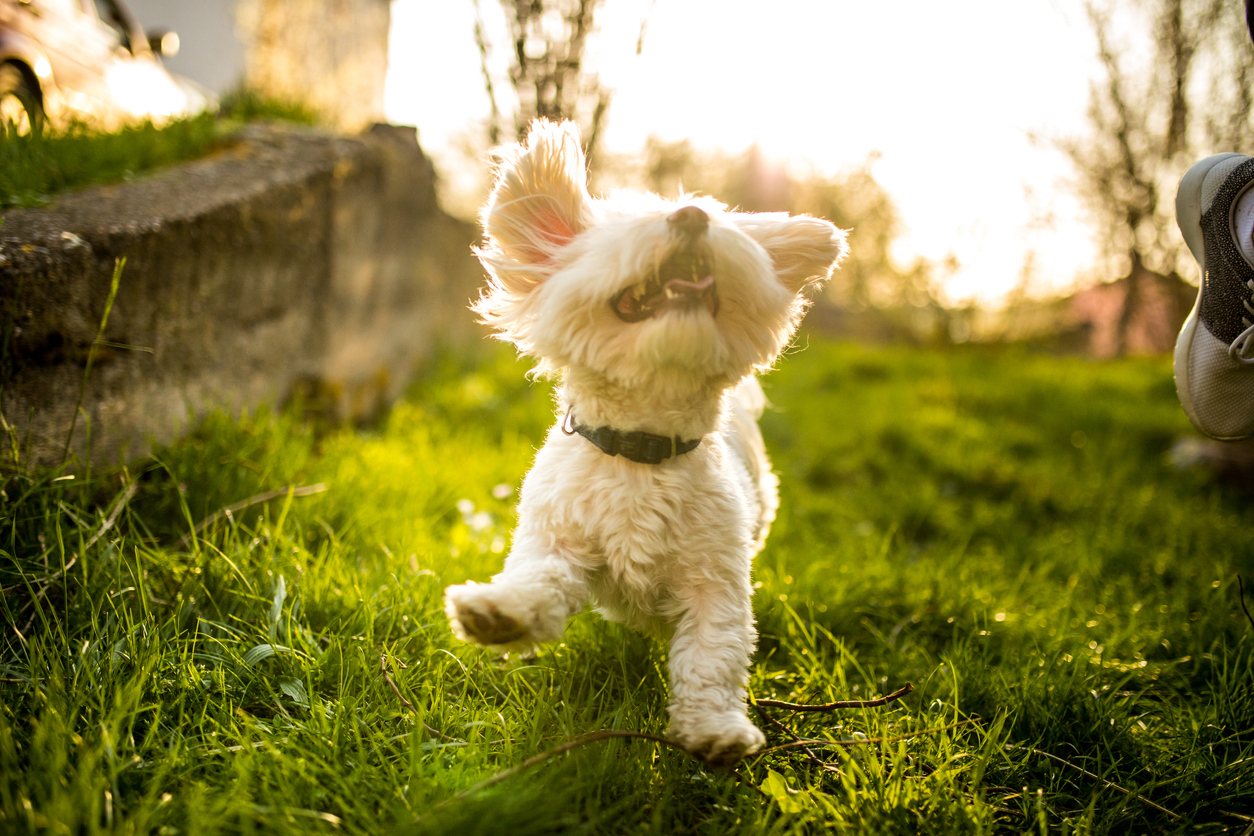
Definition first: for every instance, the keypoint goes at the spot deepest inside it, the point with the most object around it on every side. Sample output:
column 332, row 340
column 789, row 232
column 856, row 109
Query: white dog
column 653, row 492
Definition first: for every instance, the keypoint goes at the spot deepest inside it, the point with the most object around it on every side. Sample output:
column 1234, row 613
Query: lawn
column 999, row 528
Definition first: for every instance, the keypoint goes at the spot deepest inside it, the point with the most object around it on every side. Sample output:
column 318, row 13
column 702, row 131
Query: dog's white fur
column 664, row 548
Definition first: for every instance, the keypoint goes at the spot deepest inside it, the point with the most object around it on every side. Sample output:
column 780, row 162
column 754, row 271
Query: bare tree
column 1151, row 119
column 548, row 67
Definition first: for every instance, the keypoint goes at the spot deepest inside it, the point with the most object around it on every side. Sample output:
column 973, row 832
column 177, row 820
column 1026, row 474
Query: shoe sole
column 1189, row 219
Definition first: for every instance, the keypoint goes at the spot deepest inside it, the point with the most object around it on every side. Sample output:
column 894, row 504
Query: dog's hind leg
column 709, row 664
column 527, row 604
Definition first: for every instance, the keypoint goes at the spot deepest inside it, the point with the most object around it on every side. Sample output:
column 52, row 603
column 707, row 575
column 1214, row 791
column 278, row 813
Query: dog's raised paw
column 475, row 618
column 490, row 625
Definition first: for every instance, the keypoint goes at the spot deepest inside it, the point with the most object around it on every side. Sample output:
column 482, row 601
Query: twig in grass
column 383, row 666
column 833, row 706
column 47, row 580
column 303, row 490
column 1241, row 598
column 748, row 782
column 797, row 741
column 536, row 760
column 44, row 585
column 804, row 745
column 804, row 742
column 607, row 734
column 118, row 505
column 1095, row 777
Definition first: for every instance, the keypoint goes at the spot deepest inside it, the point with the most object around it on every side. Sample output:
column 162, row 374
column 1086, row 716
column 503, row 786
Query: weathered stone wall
column 295, row 260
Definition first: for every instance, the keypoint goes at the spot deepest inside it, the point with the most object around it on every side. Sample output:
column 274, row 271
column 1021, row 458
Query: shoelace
column 1242, row 348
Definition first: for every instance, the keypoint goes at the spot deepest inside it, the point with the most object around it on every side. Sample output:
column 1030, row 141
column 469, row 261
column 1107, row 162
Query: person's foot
column 1214, row 359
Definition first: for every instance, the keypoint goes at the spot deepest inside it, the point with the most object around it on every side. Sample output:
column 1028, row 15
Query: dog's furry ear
column 539, row 205
column 803, row 249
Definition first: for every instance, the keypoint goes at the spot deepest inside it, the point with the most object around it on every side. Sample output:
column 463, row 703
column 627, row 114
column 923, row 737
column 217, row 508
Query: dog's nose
column 689, row 221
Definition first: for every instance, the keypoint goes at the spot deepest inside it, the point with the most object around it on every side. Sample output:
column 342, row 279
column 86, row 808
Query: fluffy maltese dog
column 653, row 492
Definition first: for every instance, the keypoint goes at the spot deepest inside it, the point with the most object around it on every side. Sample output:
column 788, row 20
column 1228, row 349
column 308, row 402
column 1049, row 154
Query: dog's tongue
column 682, row 287
column 684, row 292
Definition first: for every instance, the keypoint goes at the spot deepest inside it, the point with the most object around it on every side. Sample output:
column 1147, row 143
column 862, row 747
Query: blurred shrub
column 893, row 300
column 246, row 104
column 851, row 199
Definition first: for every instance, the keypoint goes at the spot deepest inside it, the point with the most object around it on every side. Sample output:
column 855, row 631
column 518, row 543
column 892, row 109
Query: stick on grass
column 796, row 742
column 834, row 706
column 1160, row 808
column 383, row 666
column 806, row 742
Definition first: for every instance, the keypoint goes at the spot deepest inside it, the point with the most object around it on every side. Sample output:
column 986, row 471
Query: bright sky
column 947, row 93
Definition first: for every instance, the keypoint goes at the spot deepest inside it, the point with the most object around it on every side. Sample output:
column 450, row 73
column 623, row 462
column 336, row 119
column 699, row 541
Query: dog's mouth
column 684, row 281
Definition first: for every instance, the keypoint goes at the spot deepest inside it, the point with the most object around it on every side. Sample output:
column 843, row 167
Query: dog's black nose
column 689, row 221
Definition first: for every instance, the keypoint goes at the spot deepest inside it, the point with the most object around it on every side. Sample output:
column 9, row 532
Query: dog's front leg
column 709, row 667
column 526, row 604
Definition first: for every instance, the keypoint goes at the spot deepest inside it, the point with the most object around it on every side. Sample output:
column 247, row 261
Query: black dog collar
column 636, row 446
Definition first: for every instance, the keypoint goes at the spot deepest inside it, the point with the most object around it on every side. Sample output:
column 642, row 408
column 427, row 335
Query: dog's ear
column 803, row 249
column 539, row 204
column 540, row 201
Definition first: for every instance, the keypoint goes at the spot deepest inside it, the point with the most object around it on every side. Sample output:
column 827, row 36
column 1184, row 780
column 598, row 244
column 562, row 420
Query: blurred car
column 89, row 61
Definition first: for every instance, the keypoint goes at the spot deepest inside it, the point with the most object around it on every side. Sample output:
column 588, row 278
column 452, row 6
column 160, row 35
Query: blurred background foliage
column 1174, row 84
column 892, row 299
column 1177, row 85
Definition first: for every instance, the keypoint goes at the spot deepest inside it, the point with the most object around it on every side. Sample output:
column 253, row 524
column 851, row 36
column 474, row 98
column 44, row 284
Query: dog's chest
column 641, row 530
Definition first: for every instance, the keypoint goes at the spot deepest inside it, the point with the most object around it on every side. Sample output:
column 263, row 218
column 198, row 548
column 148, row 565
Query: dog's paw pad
column 488, row 625
column 476, row 619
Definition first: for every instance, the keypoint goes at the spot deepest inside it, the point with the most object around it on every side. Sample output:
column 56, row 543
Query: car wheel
column 19, row 101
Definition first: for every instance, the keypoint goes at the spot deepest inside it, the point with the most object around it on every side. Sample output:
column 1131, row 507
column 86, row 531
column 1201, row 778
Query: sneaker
column 1214, row 360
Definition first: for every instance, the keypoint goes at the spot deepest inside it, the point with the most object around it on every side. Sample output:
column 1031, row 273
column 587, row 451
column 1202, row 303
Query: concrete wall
column 295, row 261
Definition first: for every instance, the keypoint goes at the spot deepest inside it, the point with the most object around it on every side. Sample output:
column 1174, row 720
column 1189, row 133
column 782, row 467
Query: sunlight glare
column 948, row 94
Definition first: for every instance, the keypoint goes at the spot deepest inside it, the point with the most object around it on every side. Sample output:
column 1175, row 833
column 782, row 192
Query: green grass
column 35, row 168
column 245, row 104
column 1001, row 529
